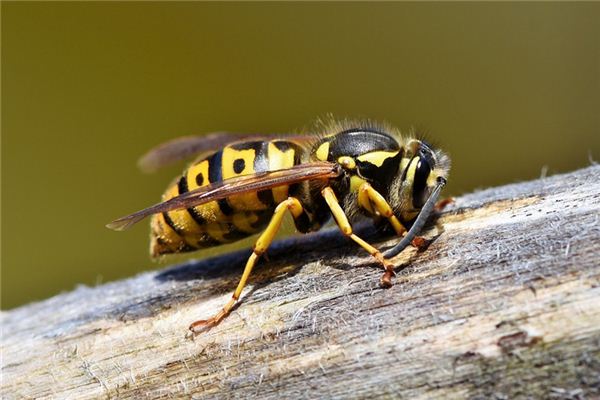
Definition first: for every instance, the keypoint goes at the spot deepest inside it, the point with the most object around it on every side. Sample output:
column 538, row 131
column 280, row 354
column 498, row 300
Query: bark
column 504, row 303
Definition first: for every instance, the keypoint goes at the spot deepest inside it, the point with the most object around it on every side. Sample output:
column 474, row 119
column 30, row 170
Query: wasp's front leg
column 371, row 200
column 342, row 221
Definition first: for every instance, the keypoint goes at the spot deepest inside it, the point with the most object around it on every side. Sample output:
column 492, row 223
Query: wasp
column 242, row 185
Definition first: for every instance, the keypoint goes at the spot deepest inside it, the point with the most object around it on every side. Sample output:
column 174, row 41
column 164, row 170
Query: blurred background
column 509, row 90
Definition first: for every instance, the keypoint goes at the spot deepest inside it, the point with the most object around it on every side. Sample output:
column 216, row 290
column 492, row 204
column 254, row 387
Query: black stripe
column 296, row 148
column 285, row 146
column 183, row 188
column 261, row 148
column 186, row 248
column 225, row 207
column 170, row 222
column 281, row 145
column 298, row 152
column 233, row 234
column 294, row 189
column 263, row 218
column 381, row 176
column 297, row 156
column 250, row 145
column 215, row 167
column 261, row 163
column 207, row 241
column 181, row 249
column 215, row 170
column 266, row 197
column 196, row 216
column 302, row 222
column 354, row 142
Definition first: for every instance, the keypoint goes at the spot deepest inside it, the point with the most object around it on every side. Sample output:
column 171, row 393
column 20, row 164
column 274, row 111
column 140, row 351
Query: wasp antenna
column 419, row 222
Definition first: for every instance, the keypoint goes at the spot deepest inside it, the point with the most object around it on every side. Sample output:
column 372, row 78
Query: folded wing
column 238, row 185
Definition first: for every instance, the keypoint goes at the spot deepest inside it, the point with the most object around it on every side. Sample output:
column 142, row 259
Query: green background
column 506, row 89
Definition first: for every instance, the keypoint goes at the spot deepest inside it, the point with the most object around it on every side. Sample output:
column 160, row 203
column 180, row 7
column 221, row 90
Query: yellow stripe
column 364, row 201
column 231, row 155
column 433, row 175
column 322, row 152
column 247, row 201
column 377, row 157
column 410, row 178
column 211, row 212
column 216, row 231
column 243, row 221
column 280, row 160
column 355, row 183
column 403, row 164
column 181, row 218
column 170, row 240
column 410, row 174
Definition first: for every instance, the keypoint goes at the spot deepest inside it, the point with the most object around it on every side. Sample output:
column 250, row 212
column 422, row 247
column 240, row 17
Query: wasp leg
column 346, row 228
column 260, row 247
column 420, row 243
column 440, row 205
column 369, row 198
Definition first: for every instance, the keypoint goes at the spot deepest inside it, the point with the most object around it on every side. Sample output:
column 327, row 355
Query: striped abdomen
column 230, row 219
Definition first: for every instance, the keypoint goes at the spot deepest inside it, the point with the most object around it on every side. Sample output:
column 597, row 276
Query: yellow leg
column 262, row 244
column 371, row 200
column 346, row 228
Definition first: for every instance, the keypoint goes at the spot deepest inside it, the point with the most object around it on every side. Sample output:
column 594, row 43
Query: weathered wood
column 505, row 303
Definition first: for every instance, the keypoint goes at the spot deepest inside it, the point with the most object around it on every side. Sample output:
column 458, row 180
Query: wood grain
column 505, row 303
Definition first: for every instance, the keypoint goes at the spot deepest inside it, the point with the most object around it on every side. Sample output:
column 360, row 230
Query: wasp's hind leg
column 346, row 228
column 260, row 247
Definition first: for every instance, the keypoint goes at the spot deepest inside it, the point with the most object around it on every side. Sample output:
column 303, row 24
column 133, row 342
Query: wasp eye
column 420, row 183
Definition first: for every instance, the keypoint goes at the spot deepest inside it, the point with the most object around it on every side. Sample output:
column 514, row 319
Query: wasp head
column 422, row 168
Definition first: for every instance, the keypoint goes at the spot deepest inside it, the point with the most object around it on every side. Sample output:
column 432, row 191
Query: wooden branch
column 505, row 303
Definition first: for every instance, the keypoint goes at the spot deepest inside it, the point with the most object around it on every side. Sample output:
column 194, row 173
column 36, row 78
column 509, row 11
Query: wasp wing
column 238, row 185
column 185, row 147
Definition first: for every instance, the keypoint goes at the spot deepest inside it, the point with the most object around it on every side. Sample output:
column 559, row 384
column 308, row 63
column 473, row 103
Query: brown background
column 507, row 89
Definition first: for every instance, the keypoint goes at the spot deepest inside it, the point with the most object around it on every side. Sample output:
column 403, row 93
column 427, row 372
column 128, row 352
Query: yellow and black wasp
column 246, row 184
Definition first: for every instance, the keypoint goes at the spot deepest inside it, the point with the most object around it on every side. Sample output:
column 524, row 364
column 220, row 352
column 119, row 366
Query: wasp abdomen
column 226, row 220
